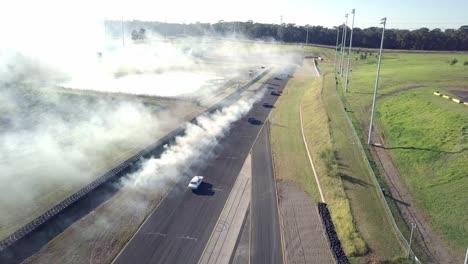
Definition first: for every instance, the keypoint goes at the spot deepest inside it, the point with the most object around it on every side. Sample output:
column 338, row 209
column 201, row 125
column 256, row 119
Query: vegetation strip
column 310, row 158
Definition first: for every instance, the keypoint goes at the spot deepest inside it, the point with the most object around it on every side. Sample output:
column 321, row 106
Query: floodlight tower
column 371, row 127
column 123, row 32
column 336, row 46
column 343, row 46
column 349, row 51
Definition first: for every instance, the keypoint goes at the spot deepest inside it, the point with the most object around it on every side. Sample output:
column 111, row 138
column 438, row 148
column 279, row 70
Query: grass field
column 359, row 216
column 318, row 135
column 426, row 134
column 289, row 153
column 367, row 207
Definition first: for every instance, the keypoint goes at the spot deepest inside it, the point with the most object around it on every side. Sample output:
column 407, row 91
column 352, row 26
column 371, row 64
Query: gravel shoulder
column 304, row 238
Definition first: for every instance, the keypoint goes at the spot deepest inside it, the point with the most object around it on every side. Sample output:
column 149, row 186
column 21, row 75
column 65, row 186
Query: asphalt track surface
column 178, row 230
column 265, row 241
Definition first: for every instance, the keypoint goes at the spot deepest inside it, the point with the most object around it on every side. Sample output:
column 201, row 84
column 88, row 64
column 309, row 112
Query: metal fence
column 376, row 182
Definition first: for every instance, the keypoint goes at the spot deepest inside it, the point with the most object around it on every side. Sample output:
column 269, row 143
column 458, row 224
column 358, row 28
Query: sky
column 410, row 14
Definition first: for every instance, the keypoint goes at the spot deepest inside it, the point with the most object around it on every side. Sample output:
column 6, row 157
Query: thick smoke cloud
column 194, row 146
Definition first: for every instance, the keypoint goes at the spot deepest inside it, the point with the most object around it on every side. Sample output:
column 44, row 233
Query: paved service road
column 178, row 230
column 265, row 243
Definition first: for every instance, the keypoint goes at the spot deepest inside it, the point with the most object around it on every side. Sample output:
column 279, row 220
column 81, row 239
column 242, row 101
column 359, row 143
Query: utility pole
column 371, row 127
column 349, row 52
column 343, row 46
column 413, row 226
column 123, row 32
column 307, row 34
column 466, row 256
column 336, row 46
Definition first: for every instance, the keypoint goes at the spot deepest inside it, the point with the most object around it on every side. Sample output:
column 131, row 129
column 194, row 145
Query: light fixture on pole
column 344, row 46
column 349, row 52
column 336, row 46
column 371, row 127
column 123, row 33
column 341, row 45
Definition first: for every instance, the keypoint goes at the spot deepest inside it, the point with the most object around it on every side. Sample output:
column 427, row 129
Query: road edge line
column 307, row 148
column 230, row 192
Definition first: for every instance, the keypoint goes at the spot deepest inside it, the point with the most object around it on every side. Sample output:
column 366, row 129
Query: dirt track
column 304, row 237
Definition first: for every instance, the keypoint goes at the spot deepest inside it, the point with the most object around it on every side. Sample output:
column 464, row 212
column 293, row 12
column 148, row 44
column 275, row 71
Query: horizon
column 235, row 21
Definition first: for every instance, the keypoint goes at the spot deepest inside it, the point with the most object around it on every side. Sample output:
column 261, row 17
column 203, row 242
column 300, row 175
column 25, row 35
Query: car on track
column 195, row 182
column 275, row 93
column 254, row 121
column 280, row 91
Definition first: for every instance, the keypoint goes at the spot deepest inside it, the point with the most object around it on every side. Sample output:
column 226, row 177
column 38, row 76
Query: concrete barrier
column 465, row 103
column 446, row 96
column 437, row 93
column 456, row 100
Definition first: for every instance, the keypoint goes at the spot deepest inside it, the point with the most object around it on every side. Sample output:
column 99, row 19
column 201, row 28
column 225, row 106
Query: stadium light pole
column 336, row 46
column 343, row 47
column 371, row 127
column 123, row 33
column 466, row 256
column 413, row 225
column 307, row 34
column 349, row 52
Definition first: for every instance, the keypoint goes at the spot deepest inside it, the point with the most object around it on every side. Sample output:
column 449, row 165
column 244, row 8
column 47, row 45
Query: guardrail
column 376, row 182
column 49, row 214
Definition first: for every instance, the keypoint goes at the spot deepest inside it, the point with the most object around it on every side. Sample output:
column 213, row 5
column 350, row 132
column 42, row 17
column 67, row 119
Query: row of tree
column 419, row 39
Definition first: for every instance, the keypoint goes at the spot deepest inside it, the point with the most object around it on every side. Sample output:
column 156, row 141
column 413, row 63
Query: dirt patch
column 304, row 237
column 404, row 89
column 460, row 92
column 431, row 242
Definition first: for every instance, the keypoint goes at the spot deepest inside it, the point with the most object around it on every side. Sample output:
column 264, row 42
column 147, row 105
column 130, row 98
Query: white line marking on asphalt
column 189, row 238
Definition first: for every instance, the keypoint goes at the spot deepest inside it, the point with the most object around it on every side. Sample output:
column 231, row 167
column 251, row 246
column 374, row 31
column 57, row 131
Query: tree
column 139, row 35
column 465, row 64
column 423, row 38
column 454, row 61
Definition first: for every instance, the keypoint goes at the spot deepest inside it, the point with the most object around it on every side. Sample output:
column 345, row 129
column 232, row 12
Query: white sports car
column 195, row 182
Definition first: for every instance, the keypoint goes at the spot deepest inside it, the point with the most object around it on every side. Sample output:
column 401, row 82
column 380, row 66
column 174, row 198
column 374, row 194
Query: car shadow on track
column 205, row 188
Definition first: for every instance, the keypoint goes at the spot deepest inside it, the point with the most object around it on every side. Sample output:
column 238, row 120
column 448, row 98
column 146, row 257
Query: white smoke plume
column 201, row 136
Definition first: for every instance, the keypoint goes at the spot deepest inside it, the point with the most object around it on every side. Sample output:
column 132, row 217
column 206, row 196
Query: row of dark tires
column 335, row 243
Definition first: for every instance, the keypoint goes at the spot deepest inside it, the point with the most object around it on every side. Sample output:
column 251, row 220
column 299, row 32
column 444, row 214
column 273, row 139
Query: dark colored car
column 267, row 105
column 254, row 121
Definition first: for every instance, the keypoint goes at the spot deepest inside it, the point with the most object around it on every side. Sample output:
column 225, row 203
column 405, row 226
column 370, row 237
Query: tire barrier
column 114, row 173
column 458, row 101
column 335, row 243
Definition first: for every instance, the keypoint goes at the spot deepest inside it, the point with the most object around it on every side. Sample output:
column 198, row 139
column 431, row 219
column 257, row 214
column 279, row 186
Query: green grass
column 434, row 159
column 289, row 154
column 357, row 211
column 368, row 209
column 431, row 149
column 317, row 131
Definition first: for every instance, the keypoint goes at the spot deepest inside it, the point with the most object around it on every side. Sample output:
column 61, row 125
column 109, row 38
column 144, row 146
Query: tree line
column 419, row 39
